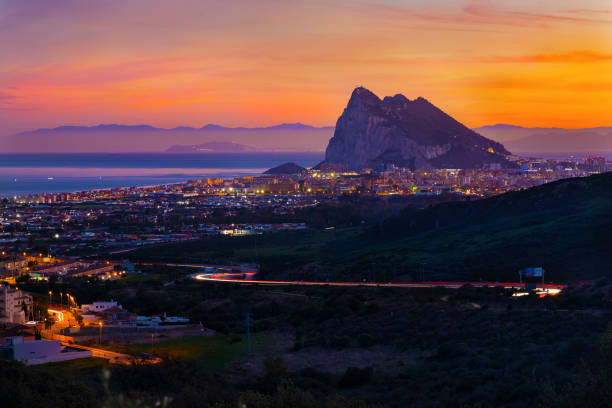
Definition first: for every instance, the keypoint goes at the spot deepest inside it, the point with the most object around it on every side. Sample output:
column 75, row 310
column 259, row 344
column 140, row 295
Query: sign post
column 532, row 273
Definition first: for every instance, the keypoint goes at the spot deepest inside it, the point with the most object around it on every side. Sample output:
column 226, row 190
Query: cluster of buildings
column 110, row 313
column 31, row 351
column 116, row 224
column 257, row 191
column 121, row 219
column 43, row 267
column 32, row 344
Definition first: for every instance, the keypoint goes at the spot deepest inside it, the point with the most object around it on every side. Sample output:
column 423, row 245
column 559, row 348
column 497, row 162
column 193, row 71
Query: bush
column 355, row 377
column 275, row 370
column 340, row 341
column 365, row 340
column 451, row 350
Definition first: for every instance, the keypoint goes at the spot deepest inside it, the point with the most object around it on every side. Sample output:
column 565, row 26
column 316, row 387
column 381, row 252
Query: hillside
column 562, row 226
column 286, row 168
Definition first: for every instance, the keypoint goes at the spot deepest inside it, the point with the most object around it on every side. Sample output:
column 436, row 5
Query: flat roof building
column 40, row 351
column 15, row 305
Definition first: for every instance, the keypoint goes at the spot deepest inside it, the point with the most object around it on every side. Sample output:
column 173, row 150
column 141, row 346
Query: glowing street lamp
column 100, row 341
column 50, row 293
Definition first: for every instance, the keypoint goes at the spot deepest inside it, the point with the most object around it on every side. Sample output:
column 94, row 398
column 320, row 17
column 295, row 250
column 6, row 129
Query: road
column 227, row 273
column 111, row 356
column 237, row 278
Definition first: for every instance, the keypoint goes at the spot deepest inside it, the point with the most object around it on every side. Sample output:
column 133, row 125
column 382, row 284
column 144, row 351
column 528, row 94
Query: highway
column 228, row 273
column 238, row 278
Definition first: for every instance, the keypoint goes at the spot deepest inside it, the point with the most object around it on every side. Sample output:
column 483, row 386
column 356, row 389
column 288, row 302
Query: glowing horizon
column 246, row 63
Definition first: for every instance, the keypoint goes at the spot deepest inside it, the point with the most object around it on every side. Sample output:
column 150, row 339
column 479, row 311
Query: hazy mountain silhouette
column 146, row 138
column 539, row 139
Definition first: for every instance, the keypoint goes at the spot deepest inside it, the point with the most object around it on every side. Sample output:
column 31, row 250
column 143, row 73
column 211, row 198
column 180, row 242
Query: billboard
column 534, row 272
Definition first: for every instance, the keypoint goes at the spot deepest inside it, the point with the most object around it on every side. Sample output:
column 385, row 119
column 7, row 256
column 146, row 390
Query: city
column 305, row 204
column 86, row 222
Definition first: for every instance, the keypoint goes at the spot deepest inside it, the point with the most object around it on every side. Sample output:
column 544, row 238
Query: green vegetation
column 396, row 347
column 332, row 347
column 561, row 226
column 215, row 352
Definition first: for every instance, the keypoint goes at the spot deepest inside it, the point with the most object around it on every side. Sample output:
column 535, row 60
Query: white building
column 12, row 305
column 41, row 351
column 100, row 306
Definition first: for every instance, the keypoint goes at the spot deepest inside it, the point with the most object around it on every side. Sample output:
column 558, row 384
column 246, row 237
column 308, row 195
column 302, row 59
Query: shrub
column 365, row 340
column 355, row 377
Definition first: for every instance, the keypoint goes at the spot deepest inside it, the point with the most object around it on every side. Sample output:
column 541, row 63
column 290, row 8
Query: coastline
column 33, row 174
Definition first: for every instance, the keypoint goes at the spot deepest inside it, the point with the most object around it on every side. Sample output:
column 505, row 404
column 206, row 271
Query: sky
column 257, row 63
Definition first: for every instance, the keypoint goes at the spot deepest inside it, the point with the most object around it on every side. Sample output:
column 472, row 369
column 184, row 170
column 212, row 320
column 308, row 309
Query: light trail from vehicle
column 245, row 274
column 58, row 313
column 240, row 278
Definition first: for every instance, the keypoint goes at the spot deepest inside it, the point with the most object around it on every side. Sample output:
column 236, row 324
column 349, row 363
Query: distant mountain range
column 522, row 139
column 283, row 137
column 148, row 128
column 116, row 138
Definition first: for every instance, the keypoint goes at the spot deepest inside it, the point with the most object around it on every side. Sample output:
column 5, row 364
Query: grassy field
column 213, row 351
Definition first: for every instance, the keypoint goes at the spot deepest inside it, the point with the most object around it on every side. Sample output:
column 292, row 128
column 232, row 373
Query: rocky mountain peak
column 406, row 133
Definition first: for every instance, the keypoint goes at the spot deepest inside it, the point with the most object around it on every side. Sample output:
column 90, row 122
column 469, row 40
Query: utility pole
column 423, row 271
column 248, row 334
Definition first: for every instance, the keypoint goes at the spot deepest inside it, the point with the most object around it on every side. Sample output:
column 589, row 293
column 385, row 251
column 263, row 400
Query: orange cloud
column 568, row 57
column 259, row 63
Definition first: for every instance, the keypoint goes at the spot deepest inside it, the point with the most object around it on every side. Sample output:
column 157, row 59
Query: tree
column 275, row 371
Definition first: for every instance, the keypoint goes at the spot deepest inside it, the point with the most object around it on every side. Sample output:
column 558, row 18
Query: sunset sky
column 253, row 63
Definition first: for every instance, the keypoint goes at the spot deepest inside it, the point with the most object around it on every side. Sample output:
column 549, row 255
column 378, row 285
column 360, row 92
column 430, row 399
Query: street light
column 50, row 293
column 61, row 299
column 100, row 341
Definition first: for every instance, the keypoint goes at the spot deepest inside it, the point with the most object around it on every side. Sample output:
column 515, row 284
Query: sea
column 23, row 174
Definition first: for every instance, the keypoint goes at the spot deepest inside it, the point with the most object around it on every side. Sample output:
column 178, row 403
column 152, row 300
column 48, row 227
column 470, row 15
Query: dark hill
column 287, row 168
column 407, row 133
column 564, row 226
